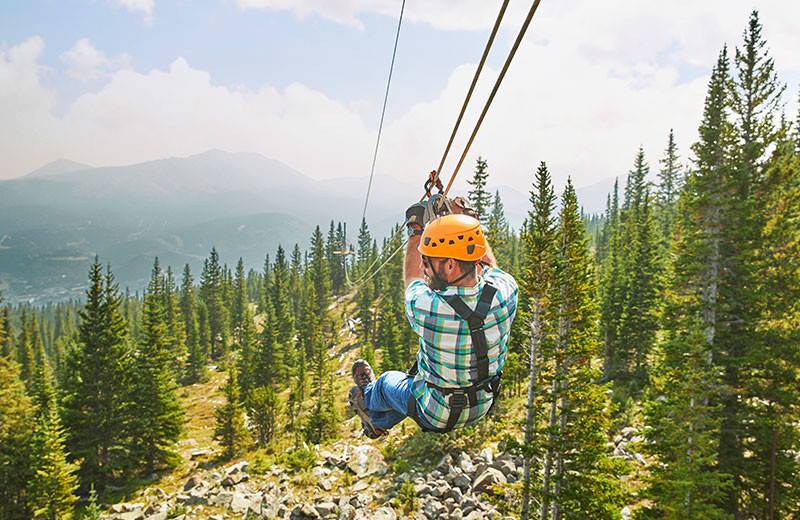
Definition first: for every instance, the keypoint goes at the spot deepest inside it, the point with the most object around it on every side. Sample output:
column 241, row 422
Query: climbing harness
column 458, row 398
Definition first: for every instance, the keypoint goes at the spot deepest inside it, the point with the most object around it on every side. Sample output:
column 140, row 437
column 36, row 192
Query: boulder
column 160, row 515
column 325, row 508
column 462, row 482
column 192, row 483
column 366, row 460
column 445, row 464
column 384, row 513
column 325, row 484
column 304, row 512
column 625, row 513
column 487, row 455
column 483, row 483
column 465, row 463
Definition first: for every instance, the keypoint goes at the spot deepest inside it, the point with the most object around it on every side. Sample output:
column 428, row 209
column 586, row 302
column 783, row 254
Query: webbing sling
column 461, row 397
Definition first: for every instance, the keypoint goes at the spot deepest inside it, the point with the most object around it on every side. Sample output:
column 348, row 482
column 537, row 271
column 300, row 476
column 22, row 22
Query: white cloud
column 143, row 6
column 589, row 86
column 86, row 63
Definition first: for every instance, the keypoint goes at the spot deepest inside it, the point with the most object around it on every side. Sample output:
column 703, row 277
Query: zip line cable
column 367, row 276
column 510, row 57
column 471, row 88
column 383, row 112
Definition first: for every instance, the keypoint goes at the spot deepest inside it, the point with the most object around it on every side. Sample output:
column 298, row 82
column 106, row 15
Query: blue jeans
column 387, row 399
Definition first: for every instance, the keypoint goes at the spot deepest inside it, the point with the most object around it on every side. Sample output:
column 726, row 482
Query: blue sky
column 120, row 81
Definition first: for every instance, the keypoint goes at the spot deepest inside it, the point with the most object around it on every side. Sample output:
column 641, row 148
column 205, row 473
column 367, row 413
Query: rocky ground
column 352, row 481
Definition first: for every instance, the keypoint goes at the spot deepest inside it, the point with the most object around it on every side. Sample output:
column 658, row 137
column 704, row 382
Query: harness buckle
column 458, row 400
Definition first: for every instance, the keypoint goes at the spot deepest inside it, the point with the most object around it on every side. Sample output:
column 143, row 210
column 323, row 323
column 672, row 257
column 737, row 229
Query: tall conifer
column 97, row 384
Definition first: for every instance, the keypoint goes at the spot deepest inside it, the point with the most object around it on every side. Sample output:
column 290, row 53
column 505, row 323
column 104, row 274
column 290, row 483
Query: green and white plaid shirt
column 445, row 357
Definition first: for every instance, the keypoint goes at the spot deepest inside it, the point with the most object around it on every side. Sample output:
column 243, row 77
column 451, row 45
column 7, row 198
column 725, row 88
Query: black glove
column 416, row 218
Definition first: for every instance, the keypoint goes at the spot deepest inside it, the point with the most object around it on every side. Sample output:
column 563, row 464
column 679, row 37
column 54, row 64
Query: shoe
column 362, row 373
column 356, row 398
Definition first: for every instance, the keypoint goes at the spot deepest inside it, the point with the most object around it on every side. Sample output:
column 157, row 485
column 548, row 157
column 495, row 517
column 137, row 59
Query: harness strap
column 460, row 398
column 475, row 321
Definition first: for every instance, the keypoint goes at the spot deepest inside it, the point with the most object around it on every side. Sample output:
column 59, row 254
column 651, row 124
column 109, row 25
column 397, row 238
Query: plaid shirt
column 445, row 355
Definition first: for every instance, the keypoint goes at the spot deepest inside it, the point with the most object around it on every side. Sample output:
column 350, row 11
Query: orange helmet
column 453, row 236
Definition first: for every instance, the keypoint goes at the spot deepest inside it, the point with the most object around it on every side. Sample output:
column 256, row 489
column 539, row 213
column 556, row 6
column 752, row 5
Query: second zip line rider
column 461, row 305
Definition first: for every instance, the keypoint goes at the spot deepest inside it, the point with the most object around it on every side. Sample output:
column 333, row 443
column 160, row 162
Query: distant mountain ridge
column 54, row 220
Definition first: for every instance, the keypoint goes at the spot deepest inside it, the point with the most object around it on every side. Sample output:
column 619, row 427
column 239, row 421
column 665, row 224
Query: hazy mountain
column 58, row 167
column 56, row 219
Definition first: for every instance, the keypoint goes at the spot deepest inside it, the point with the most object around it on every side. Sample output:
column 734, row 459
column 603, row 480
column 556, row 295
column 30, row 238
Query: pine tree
column 97, row 383
column 478, row 195
column 238, row 311
column 229, row 430
column 585, row 482
column 669, row 186
column 196, row 362
column 262, row 409
column 24, row 355
column 282, row 308
column 755, row 100
column 684, row 417
column 213, row 292
column 540, row 250
column 175, row 326
column 6, row 334
column 16, row 431
column 156, row 415
column 53, row 481
column 497, row 231
column 245, row 363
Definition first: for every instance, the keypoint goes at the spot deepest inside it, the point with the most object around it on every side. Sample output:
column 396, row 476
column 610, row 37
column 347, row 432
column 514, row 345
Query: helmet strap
column 437, row 283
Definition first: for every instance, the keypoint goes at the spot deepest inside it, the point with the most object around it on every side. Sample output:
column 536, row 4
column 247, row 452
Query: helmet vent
column 452, row 242
column 461, row 237
column 469, row 239
column 470, row 248
column 427, row 240
column 441, row 241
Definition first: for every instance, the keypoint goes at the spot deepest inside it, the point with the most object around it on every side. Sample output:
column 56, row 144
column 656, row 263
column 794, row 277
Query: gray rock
column 384, row 513
column 196, row 454
column 462, row 482
column 422, row 489
column 161, row 515
column 465, row 463
column 629, row 432
column 445, row 464
column 239, row 467
column 487, row 455
column 483, row 483
column 625, row 513
column 304, row 512
column 507, row 467
column 347, row 512
column 325, row 484
column 455, row 494
column 223, row 499
column 638, row 458
column 474, row 515
column 325, row 508
column 192, row 483
column 456, row 515
column 366, row 460
column 239, row 503
column 131, row 515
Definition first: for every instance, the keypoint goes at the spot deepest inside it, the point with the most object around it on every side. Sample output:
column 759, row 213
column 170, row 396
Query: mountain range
column 54, row 220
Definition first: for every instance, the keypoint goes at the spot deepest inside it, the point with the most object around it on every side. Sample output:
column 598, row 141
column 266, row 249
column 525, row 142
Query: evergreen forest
column 676, row 311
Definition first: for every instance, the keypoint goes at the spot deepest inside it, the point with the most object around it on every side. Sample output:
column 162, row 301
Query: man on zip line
column 461, row 306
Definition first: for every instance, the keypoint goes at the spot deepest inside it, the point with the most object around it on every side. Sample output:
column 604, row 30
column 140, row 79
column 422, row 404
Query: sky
column 116, row 82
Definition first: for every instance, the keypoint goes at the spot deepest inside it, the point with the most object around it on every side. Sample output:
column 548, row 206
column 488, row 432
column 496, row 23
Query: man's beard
column 436, row 282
